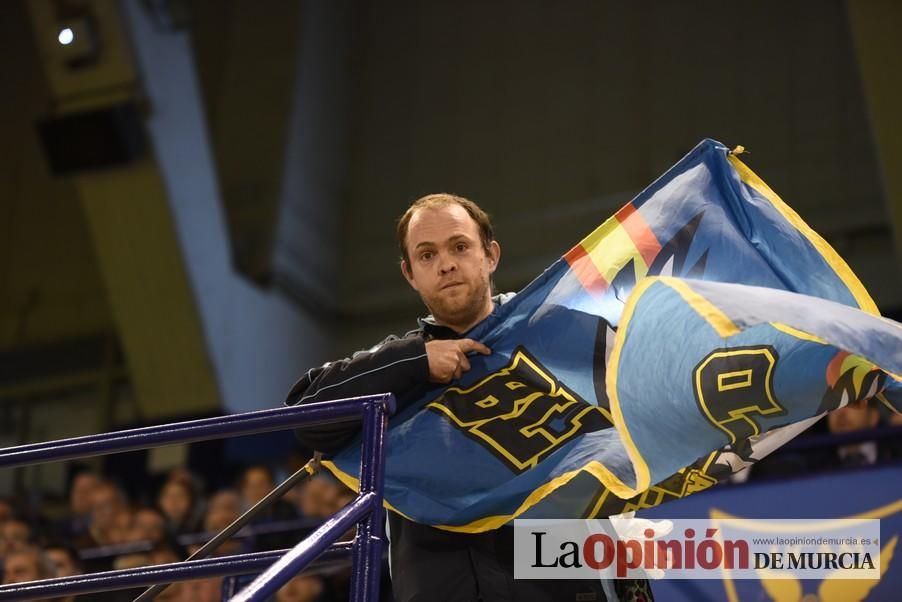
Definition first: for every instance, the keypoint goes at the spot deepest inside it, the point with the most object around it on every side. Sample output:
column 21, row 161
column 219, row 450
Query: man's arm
column 398, row 366
column 405, row 367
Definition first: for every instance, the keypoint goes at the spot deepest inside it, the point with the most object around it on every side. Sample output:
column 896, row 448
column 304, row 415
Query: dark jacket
column 428, row 564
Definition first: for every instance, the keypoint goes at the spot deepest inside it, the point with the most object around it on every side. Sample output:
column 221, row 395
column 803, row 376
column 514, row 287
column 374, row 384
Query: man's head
column 148, row 524
column 64, row 560
column 256, row 483
column 857, row 416
column 176, row 500
column 14, row 534
column 108, row 504
column 448, row 255
column 318, row 497
column 81, row 492
column 26, row 564
column 223, row 508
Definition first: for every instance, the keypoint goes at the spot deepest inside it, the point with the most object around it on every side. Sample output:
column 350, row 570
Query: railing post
column 365, row 511
column 367, row 553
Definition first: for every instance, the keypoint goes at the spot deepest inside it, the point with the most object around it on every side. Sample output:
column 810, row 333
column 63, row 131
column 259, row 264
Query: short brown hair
column 443, row 199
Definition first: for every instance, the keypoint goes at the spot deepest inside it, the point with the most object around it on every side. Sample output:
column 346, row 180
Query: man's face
column 16, row 531
column 80, row 498
column 317, row 498
column 62, row 560
column 257, row 483
column 104, row 507
column 20, row 567
column 175, row 500
column 147, row 525
column 449, row 266
column 853, row 417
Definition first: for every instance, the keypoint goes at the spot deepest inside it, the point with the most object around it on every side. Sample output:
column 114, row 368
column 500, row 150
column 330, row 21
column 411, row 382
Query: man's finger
column 463, row 363
column 467, row 345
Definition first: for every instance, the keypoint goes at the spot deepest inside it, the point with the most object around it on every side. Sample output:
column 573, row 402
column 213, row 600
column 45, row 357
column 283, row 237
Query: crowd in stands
column 103, row 529
column 807, row 455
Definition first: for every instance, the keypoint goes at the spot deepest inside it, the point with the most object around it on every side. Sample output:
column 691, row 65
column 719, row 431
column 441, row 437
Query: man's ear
column 408, row 275
column 494, row 255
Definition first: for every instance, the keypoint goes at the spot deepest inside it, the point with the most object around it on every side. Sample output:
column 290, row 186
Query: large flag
column 609, row 389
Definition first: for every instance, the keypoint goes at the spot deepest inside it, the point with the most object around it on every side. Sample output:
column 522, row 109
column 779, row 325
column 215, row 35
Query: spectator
column 318, row 497
column 64, row 560
column 109, row 512
column 224, row 507
column 177, row 592
column 177, row 502
column 26, row 563
column 14, row 535
column 164, row 555
column 159, row 555
column 224, row 502
column 256, row 483
column 183, row 475
column 65, row 564
column 147, row 525
column 293, row 463
column 855, row 417
column 81, row 494
column 204, row 590
column 130, row 561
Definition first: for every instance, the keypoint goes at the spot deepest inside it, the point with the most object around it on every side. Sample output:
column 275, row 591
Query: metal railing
column 280, row 566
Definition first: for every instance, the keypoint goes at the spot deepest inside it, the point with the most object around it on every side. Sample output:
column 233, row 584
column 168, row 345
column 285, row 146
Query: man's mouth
column 450, row 284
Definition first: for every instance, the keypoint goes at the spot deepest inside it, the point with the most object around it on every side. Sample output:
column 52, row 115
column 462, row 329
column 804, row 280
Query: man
column 110, row 516
column 448, row 256
column 14, row 533
column 256, row 482
column 858, row 416
column 26, row 563
column 81, row 496
column 65, row 563
column 148, row 524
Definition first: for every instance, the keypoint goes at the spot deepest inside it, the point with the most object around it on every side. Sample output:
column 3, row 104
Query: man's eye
column 426, row 256
column 461, row 247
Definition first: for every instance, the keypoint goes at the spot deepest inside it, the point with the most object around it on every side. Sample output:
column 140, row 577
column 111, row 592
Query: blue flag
column 609, row 390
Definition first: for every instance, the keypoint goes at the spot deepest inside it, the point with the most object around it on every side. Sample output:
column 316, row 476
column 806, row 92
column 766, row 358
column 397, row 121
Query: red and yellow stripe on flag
column 599, row 257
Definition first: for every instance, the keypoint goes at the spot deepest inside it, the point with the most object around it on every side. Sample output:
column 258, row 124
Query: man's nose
column 447, row 264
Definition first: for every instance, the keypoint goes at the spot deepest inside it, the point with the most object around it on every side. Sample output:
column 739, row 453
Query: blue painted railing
column 365, row 510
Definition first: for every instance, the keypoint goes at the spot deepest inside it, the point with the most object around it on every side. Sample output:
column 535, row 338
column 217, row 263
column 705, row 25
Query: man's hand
column 448, row 359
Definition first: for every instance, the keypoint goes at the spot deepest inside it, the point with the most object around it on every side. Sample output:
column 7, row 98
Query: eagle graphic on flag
column 777, row 587
column 692, row 333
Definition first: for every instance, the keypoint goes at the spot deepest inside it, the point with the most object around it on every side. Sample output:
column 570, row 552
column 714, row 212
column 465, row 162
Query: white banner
column 631, row 548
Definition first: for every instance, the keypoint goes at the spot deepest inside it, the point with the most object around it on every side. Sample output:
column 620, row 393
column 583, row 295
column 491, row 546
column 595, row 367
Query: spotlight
column 79, row 44
column 66, row 36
